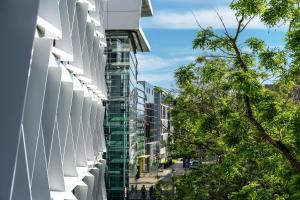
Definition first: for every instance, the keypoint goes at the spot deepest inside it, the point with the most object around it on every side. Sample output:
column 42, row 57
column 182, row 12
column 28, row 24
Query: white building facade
column 52, row 93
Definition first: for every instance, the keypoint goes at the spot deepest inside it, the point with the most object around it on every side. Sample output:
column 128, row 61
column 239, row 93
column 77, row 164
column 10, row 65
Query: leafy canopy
column 238, row 106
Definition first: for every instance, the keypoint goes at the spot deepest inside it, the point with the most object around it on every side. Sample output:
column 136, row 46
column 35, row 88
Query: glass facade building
column 121, row 113
column 151, row 136
column 123, row 127
column 140, row 120
column 162, row 124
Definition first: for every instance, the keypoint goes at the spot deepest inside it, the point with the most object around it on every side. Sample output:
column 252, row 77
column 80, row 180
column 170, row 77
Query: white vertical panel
column 55, row 168
column 50, row 106
column 64, row 46
column 95, row 172
column 76, row 112
column 49, row 19
column 77, row 52
column 81, row 160
column 35, row 97
column 81, row 14
column 81, row 192
column 89, row 181
column 40, row 185
column 21, row 185
column 69, row 162
column 63, row 111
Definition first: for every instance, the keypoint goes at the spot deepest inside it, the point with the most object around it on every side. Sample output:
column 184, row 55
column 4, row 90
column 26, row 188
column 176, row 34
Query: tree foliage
column 238, row 103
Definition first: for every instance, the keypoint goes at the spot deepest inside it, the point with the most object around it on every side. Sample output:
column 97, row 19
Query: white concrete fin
column 89, row 36
column 71, row 4
column 98, row 131
column 50, row 106
column 102, row 137
column 86, row 62
column 69, row 162
column 102, row 190
column 81, row 14
column 86, row 112
column 96, row 143
column 81, row 192
column 95, row 172
column 95, row 15
column 63, row 111
column 35, row 97
column 76, row 112
column 55, row 168
column 49, row 19
column 77, row 53
column 81, row 160
column 40, row 183
column 63, row 48
column 89, row 146
column 89, row 181
column 21, row 184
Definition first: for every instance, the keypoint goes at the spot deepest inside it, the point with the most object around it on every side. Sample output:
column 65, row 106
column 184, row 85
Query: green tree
column 225, row 108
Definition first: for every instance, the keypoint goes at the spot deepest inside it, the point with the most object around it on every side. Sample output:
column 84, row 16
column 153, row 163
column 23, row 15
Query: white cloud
column 202, row 2
column 153, row 78
column 160, row 71
column 153, row 63
column 206, row 17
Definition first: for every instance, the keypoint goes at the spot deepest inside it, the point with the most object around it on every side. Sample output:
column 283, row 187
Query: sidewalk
column 148, row 180
column 151, row 179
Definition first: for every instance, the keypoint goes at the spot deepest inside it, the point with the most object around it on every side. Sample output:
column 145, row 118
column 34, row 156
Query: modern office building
column 163, row 125
column 52, row 94
column 141, row 139
column 124, row 39
column 151, row 136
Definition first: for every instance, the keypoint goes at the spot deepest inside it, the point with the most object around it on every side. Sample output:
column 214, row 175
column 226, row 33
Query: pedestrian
column 132, row 189
column 144, row 191
column 154, row 194
column 138, row 174
column 135, row 188
column 151, row 192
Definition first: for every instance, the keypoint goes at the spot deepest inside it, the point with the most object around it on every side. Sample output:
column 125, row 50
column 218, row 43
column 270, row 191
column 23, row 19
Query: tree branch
column 223, row 24
column 199, row 25
column 279, row 145
column 246, row 24
column 218, row 56
column 238, row 31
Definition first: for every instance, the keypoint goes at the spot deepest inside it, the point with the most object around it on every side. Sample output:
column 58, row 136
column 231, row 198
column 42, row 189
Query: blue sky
column 172, row 29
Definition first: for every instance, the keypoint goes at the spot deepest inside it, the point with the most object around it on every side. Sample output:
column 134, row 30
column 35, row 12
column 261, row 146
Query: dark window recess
column 148, row 129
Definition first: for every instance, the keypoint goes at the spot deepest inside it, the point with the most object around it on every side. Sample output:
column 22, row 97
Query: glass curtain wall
column 142, row 164
column 140, row 121
column 121, row 113
column 151, row 138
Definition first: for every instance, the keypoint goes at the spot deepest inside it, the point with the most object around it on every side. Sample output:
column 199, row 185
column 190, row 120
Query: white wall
column 53, row 86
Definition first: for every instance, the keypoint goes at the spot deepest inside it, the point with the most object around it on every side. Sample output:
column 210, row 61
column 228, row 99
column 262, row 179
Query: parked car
column 194, row 164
